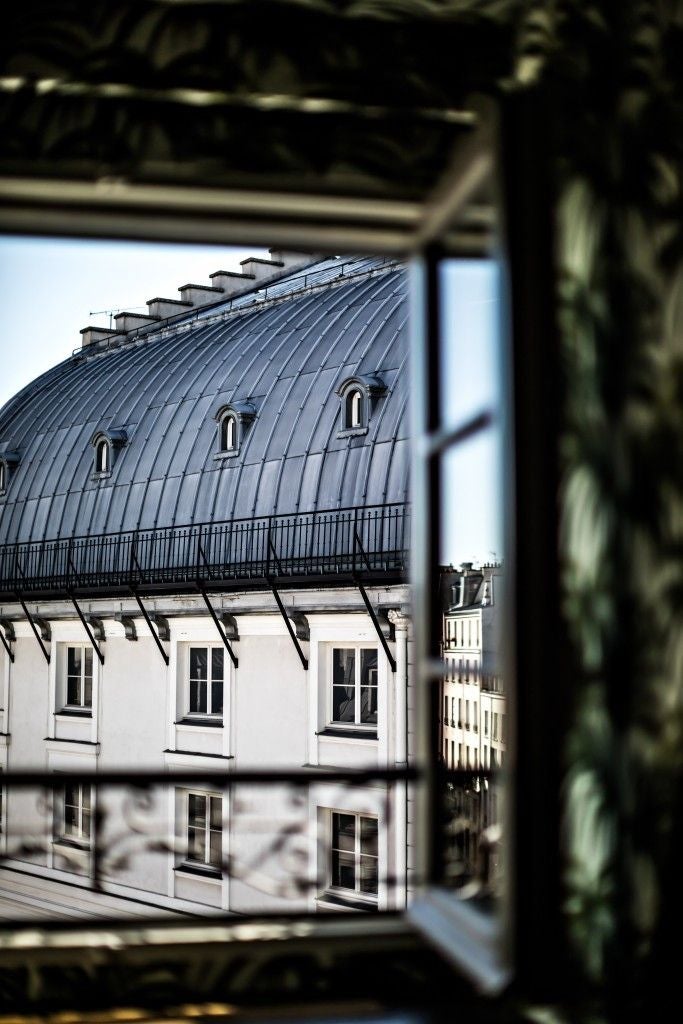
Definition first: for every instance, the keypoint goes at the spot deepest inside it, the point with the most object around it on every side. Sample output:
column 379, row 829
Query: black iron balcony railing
column 371, row 541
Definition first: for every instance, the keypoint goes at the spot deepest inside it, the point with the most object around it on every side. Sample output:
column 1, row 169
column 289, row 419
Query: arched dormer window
column 233, row 421
column 8, row 463
column 358, row 395
column 354, row 410
column 102, row 459
column 228, row 433
column 107, row 444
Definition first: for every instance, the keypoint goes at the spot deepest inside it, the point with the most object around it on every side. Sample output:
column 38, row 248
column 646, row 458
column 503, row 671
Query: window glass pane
column 73, row 661
column 470, row 371
column 217, row 697
column 343, row 666
column 198, row 697
column 85, row 797
column 343, row 704
column 216, row 812
column 88, row 661
column 217, row 655
column 197, row 663
column 196, row 809
column 344, row 832
column 85, row 826
column 73, row 690
column 343, row 870
column 196, row 844
column 87, row 692
column 70, row 820
column 368, row 836
column 368, row 874
column 215, row 852
column 368, row 705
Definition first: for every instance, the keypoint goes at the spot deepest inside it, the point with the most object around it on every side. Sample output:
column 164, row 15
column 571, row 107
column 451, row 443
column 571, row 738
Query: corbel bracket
column 7, row 636
column 288, row 624
column 37, row 624
column 161, row 623
column 377, row 624
column 88, row 624
column 228, row 625
column 128, row 623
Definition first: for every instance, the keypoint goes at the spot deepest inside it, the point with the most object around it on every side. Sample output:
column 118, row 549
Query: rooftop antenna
column 110, row 312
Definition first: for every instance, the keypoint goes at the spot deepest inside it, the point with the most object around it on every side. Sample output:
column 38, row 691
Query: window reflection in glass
column 473, row 573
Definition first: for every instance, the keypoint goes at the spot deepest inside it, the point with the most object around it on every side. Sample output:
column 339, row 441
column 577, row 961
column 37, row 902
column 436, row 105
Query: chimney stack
column 199, row 294
column 90, row 335
column 130, row 321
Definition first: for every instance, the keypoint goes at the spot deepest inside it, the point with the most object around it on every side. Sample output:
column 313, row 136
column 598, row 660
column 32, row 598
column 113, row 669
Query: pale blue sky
column 50, row 286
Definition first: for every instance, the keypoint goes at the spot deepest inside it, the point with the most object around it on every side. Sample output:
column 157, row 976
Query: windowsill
column 347, row 734
column 205, row 874
column 334, row 901
column 352, row 432
column 72, row 844
column 101, row 476
column 73, row 713
column 201, row 722
column 227, row 455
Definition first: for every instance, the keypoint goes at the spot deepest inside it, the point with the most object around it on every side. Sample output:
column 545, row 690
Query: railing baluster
column 295, row 545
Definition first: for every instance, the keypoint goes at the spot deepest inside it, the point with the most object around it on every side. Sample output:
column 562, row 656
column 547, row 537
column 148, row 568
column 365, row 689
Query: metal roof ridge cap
column 163, row 328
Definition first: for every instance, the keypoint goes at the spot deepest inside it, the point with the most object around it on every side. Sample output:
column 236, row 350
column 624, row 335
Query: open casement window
column 448, row 213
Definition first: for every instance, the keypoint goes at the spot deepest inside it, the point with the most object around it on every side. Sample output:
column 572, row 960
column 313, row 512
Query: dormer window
column 358, row 395
column 107, row 444
column 354, row 411
column 233, row 422
column 102, row 460
column 8, row 463
column 228, row 432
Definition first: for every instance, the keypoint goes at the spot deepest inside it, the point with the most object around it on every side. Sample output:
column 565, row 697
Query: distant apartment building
column 203, row 534
column 473, row 712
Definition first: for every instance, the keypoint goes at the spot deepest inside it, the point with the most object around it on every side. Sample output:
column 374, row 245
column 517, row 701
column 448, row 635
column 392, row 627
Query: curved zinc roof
column 286, row 354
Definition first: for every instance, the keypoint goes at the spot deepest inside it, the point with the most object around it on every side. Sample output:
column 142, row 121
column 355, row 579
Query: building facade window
column 74, row 816
column 354, row 686
column 354, row 862
column 79, row 677
column 206, row 669
column 204, row 831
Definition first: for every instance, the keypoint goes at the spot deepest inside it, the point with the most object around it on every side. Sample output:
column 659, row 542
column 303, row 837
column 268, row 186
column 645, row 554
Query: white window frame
column 187, row 681
column 356, row 725
column 102, row 456
column 205, row 865
column 80, row 839
column 343, row 892
column 81, row 707
column 228, row 434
